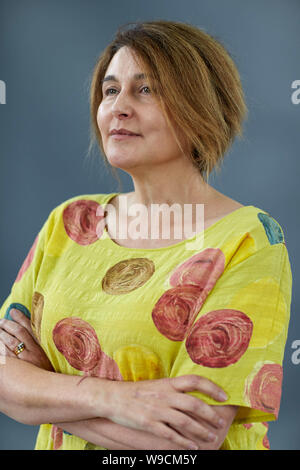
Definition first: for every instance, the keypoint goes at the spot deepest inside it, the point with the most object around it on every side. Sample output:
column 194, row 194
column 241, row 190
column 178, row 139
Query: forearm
column 99, row 431
column 103, row 432
column 34, row 396
column 120, row 436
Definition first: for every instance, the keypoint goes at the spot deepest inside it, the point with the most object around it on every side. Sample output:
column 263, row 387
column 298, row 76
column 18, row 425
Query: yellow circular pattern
column 138, row 363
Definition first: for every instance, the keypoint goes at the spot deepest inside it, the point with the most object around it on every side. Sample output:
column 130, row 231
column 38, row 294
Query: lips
column 123, row 136
column 122, row 132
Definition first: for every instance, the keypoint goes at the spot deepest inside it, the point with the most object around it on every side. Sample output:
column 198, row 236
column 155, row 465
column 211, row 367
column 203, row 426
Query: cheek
column 158, row 126
column 102, row 118
column 99, row 117
column 162, row 126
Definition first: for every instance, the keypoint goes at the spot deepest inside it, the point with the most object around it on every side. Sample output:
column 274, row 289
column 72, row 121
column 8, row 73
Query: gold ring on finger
column 19, row 348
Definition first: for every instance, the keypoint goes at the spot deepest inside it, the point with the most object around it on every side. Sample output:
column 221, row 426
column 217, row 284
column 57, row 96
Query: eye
column 108, row 90
column 145, row 87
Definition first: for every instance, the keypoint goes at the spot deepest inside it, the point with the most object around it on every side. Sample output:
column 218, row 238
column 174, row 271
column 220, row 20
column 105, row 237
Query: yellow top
column 216, row 305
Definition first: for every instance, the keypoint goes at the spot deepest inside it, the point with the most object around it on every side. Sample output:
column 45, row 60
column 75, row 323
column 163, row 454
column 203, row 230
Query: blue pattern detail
column 272, row 228
column 20, row 307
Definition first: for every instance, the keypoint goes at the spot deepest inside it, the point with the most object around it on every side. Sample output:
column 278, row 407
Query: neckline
column 175, row 245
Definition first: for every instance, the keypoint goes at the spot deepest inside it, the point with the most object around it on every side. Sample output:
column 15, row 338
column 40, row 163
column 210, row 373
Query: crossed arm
column 151, row 414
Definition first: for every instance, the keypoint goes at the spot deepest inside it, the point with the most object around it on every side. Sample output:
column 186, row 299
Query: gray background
column 47, row 52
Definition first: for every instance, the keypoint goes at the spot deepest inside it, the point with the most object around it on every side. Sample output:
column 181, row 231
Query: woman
column 157, row 326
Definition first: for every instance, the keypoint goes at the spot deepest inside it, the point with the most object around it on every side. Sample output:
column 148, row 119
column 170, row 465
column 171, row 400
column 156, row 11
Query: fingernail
column 193, row 446
column 212, row 437
column 221, row 422
column 223, row 396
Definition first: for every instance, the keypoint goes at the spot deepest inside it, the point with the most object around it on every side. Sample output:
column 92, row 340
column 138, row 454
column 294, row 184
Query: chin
column 121, row 161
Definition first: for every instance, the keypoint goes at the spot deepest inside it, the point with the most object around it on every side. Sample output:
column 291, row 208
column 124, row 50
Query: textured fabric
column 218, row 307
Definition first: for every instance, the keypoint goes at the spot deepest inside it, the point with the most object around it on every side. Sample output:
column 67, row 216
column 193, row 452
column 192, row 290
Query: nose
column 122, row 106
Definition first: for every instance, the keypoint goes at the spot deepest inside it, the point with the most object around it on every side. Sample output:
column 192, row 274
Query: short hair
column 196, row 82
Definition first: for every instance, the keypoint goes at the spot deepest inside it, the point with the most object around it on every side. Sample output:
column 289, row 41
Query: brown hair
column 195, row 80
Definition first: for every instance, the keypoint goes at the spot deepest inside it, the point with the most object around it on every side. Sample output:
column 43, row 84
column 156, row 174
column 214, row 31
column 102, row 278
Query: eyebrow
column 113, row 78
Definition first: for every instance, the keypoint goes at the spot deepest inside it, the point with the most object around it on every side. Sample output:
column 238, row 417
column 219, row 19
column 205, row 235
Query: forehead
column 125, row 65
column 125, row 60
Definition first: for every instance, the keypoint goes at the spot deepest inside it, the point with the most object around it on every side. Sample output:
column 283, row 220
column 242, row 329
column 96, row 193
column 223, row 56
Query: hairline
column 137, row 76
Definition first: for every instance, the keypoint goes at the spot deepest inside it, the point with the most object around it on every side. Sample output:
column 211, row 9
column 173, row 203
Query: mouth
column 124, row 136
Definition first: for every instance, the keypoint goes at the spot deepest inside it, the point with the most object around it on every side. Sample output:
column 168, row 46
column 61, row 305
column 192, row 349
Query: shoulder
column 98, row 198
column 81, row 210
column 247, row 231
column 256, row 219
column 253, row 221
column 82, row 202
column 267, row 225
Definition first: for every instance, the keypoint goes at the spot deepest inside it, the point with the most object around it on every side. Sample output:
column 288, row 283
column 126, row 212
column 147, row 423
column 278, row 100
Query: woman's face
column 130, row 104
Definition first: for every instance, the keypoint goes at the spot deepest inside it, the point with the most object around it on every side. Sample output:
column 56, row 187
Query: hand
column 19, row 330
column 163, row 408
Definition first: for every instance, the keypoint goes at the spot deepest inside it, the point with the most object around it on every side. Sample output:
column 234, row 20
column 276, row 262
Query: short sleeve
column 23, row 294
column 238, row 338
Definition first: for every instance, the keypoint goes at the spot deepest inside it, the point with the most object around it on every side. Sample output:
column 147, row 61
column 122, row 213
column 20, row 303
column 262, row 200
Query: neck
column 165, row 187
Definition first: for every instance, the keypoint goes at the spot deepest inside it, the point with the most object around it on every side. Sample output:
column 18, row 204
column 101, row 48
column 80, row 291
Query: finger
column 10, row 341
column 18, row 331
column 154, row 421
column 4, row 351
column 192, row 383
column 20, row 318
column 197, row 408
column 189, row 427
column 167, row 432
column 10, row 344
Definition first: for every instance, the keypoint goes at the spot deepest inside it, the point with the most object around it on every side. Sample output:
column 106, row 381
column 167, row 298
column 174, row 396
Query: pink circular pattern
column 264, row 390
column 201, row 270
column 106, row 368
column 219, row 338
column 175, row 311
column 57, row 437
column 84, row 221
column 247, row 425
column 177, row 308
column 28, row 260
column 78, row 342
column 266, row 442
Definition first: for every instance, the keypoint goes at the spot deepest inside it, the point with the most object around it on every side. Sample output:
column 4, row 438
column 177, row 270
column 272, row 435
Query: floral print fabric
column 220, row 310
